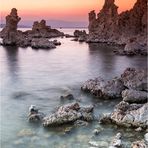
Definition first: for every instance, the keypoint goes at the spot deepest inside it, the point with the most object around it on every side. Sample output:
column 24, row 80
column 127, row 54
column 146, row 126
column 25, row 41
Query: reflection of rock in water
column 103, row 55
column 12, row 58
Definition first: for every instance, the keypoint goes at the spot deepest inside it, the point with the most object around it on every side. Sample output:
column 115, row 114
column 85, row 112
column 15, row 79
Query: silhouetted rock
column 41, row 30
column 9, row 33
column 110, row 27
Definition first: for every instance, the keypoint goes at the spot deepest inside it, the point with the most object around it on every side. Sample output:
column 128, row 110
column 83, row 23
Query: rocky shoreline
column 131, row 112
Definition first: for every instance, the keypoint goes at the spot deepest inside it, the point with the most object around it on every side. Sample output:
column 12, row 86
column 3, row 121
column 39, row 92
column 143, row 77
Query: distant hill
column 53, row 24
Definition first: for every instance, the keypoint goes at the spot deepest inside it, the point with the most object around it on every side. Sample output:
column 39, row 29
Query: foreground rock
column 134, row 96
column 69, row 114
column 139, row 144
column 110, row 27
column 130, row 115
column 104, row 89
column 135, row 79
column 116, row 142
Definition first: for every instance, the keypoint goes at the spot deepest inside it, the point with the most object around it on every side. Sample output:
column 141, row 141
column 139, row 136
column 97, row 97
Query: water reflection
column 12, row 61
column 103, row 56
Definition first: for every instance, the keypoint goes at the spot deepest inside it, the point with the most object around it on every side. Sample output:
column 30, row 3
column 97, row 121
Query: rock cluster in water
column 36, row 38
column 69, row 113
column 132, row 87
column 127, row 28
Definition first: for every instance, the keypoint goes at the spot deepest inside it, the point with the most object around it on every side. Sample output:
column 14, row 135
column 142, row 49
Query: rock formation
column 10, row 30
column 36, row 38
column 111, row 27
column 41, row 30
column 132, row 87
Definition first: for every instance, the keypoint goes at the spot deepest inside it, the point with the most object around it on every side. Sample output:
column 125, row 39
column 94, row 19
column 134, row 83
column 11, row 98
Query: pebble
column 146, row 137
column 139, row 129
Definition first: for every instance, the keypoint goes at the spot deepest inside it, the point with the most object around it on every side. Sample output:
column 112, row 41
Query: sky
column 68, row 10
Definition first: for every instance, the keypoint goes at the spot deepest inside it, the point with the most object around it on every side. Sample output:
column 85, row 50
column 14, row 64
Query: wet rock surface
column 104, row 89
column 68, row 114
column 116, row 142
column 139, row 144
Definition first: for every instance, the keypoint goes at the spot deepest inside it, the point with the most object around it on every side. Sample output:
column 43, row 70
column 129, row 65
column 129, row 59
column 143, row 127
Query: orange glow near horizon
column 72, row 10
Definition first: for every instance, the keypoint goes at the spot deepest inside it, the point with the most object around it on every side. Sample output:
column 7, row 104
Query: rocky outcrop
column 9, row 33
column 69, row 114
column 135, row 79
column 139, row 144
column 36, row 38
column 80, row 36
column 134, row 96
column 41, row 30
column 111, row 27
column 104, row 89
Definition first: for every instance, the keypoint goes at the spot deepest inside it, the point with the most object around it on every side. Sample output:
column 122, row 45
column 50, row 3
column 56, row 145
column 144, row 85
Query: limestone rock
column 68, row 114
column 138, row 144
column 9, row 33
column 110, row 27
column 104, row 89
column 135, row 79
column 116, row 142
column 134, row 96
column 130, row 115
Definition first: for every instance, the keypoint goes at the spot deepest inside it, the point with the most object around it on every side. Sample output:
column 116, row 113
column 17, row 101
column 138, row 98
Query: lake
column 40, row 77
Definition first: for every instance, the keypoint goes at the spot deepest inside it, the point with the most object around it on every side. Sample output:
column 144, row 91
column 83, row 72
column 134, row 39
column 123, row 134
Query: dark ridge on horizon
column 53, row 24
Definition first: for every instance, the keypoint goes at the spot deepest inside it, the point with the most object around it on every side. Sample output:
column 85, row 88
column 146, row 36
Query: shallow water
column 40, row 77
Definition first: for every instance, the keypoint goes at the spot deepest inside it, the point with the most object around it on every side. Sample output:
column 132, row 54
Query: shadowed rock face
column 109, row 26
column 10, row 30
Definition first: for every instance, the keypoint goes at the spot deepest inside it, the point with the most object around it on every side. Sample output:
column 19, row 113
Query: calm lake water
column 40, row 77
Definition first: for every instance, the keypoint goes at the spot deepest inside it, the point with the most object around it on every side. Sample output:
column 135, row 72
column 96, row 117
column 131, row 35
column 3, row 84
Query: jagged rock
column 116, row 142
column 133, row 115
column 42, row 43
column 9, row 33
column 134, row 96
column 135, row 79
column 138, row 144
column 69, row 114
column 104, row 89
column 110, row 27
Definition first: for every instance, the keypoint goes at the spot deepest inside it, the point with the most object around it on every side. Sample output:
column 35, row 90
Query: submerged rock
column 67, row 97
column 104, row 89
column 69, row 114
column 134, row 96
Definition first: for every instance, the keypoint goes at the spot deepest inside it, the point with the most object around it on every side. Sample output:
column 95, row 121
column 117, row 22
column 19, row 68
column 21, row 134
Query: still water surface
column 40, row 77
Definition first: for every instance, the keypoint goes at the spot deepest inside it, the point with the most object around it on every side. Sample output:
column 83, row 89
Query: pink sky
column 71, row 10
